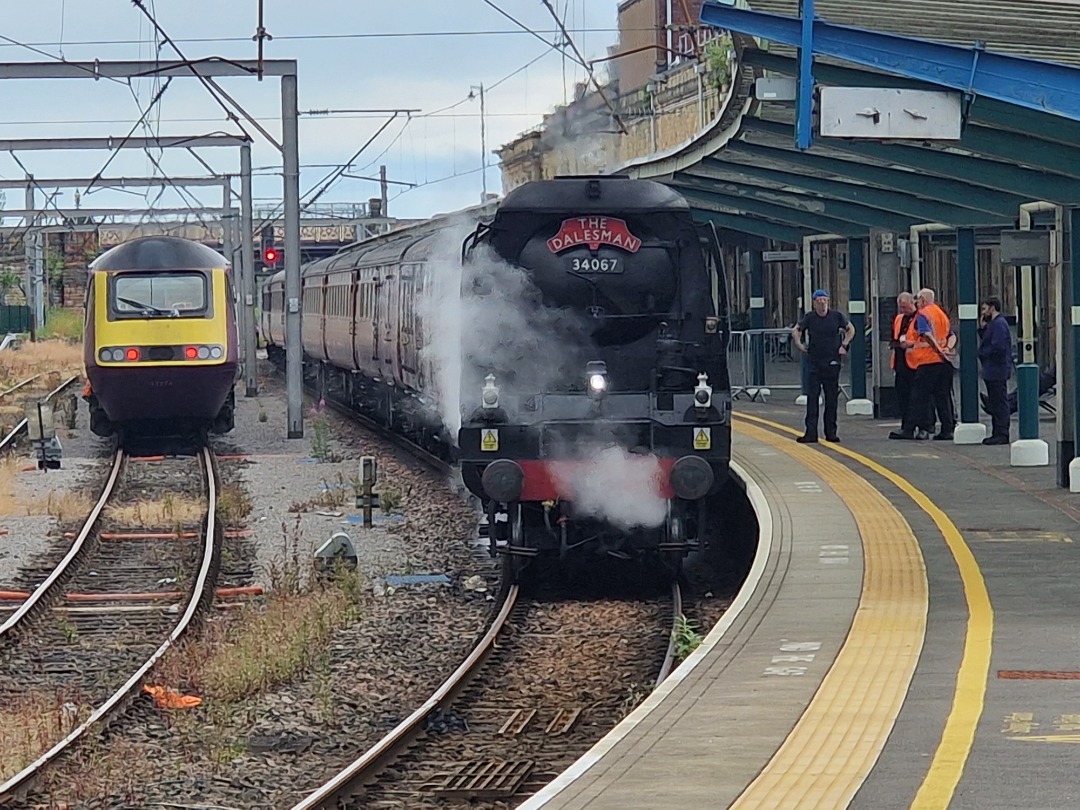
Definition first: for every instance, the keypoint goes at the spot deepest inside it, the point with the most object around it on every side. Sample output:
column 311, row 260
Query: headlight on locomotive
column 503, row 480
column 691, row 477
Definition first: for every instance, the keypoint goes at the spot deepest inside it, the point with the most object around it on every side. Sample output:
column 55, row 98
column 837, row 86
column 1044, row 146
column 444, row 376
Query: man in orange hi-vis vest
column 927, row 341
column 898, row 361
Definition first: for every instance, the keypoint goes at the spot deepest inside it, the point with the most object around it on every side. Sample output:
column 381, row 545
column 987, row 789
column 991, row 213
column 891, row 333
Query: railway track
column 18, row 392
column 87, row 629
column 543, row 699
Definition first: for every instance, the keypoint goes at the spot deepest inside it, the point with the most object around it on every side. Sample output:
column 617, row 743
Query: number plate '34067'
column 590, row 264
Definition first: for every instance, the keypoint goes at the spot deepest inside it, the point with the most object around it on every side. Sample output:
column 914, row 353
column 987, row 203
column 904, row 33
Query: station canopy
column 745, row 174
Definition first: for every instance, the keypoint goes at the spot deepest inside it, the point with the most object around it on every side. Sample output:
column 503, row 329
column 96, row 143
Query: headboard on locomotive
column 622, row 263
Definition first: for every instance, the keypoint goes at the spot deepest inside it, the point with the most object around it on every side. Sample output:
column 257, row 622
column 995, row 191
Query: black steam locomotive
column 600, row 420
column 578, row 337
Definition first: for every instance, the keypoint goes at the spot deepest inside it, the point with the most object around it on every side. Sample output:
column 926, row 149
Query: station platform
column 907, row 638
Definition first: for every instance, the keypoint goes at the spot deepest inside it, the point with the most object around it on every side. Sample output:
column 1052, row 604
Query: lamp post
column 473, row 91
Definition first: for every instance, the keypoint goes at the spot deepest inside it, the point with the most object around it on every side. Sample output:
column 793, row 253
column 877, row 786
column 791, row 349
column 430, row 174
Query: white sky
column 337, row 70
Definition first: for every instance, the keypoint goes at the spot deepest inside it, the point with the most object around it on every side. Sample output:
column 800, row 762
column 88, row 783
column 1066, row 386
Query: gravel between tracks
column 270, row 749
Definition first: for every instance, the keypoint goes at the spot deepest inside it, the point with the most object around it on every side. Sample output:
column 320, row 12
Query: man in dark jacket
column 828, row 333
column 995, row 354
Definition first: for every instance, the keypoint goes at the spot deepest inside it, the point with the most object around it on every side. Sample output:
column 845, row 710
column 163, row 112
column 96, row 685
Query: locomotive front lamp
column 596, row 375
column 703, row 392
column 489, row 397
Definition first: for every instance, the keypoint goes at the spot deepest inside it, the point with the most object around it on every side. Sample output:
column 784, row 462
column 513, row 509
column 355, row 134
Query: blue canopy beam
column 814, row 221
column 1028, row 83
column 871, row 196
column 956, row 192
column 1032, row 184
column 753, row 226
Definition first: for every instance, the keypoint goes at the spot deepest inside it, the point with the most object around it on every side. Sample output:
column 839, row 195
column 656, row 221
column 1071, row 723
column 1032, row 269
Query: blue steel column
column 857, row 313
column 804, row 132
column 969, row 329
column 757, row 313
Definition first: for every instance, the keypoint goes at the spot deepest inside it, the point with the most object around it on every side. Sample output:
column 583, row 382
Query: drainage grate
column 1037, row 675
column 483, row 779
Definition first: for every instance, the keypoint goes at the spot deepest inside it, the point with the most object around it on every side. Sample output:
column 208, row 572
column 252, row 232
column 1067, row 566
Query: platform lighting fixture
column 703, row 392
column 489, row 397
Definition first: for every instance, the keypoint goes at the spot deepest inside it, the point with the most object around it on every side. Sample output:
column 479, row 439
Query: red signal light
column 271, row 256
column 132, row 354
column 191, row 352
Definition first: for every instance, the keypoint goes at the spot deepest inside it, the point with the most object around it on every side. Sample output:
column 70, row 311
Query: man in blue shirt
column 995, row 354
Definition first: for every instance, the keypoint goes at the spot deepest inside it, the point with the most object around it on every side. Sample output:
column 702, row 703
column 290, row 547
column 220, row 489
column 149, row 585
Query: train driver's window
column 159, row 294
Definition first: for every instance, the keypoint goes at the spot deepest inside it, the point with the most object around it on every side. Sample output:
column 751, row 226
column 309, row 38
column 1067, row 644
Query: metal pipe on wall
column 915, row 245
column 1027, row 372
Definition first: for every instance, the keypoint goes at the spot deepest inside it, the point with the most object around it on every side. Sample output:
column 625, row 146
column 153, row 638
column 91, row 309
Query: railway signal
column 271, row 256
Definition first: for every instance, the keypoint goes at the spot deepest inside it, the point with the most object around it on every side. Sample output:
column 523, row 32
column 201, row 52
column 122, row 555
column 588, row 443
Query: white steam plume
column 506, row 330
column 614, row 485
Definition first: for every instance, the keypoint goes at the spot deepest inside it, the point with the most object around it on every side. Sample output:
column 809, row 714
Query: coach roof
column 159, row 253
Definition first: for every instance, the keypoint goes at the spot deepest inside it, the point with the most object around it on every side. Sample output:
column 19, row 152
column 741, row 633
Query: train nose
column 503, row 480
column 691, row 477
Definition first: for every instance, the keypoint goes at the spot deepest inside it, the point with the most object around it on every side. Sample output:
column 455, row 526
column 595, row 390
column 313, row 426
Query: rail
column 383, row 751
column 201, row 596
column 669, row 656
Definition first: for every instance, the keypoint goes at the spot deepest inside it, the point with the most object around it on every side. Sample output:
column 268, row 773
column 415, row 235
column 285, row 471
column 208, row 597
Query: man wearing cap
column 824, row 334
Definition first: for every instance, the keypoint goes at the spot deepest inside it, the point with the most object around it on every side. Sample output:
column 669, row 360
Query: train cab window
column 158, row 295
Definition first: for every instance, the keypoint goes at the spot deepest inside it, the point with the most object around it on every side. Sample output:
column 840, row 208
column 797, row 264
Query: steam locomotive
column 576, row 342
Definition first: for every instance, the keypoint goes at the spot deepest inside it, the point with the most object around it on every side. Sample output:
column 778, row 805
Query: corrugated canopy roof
column 749, row 177
column 1032, row 28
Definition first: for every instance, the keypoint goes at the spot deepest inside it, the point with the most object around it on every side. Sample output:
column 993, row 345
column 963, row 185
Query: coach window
column 158, row 295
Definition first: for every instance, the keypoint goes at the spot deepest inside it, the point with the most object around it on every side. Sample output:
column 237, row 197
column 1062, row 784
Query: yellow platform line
column 832, row 749
column 954, row 747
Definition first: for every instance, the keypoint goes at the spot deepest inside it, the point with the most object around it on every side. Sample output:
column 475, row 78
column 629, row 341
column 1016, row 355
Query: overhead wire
column 588, row 68
column 211, row 86
column 354, row 35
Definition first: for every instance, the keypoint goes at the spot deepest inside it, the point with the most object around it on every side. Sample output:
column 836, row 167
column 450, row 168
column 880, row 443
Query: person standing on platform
column 904, row 374
column 995, row 354
column 927, row 341
column 827, row 333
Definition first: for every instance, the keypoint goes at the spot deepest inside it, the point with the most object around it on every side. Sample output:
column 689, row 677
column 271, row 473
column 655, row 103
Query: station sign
column 893, row 113
column 780, row 256
column 1025, row 248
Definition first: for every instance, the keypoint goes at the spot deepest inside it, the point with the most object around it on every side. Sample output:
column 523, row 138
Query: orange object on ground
column 167, row 698
column 3, row 532
column 146, row 458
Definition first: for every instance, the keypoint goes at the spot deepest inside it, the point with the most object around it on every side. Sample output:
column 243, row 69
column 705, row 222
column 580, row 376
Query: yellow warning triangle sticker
column 489, row 441
column 703, row 438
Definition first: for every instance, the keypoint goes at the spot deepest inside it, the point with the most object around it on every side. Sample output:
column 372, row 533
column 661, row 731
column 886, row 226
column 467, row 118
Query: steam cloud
column 617, row 486
column 506, row 329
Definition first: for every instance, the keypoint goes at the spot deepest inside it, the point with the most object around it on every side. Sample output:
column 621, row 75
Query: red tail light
column 191, row 352
column 132, row 354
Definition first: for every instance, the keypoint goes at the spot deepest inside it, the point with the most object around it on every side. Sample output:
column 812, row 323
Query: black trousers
column 931, row 391
column 944, row 406
column 905, row 377
column 997, row 404
column 825, row 378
